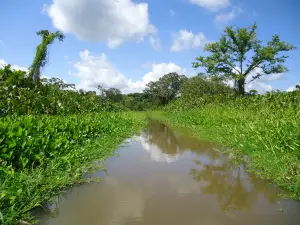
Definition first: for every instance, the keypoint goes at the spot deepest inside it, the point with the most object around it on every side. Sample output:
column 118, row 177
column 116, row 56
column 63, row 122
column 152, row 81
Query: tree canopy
column 239, row 54
column 166, row 88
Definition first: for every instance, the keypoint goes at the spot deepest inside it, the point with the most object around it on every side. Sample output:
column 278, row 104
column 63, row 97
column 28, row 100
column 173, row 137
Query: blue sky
column 127, row 43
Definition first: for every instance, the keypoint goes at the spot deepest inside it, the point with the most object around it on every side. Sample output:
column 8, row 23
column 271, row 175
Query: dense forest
column 49, row 129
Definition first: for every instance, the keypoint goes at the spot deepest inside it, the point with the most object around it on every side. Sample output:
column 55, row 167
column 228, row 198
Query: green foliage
column 40, row 59
column 205, row 90
column 239, row 53
column 21, row 96
column 265, row 127
column 114, row 95
column 50, row 134
column 53, row 137
column 165, row 89
column 275, row 100
column 138, row 102
column 40, row 155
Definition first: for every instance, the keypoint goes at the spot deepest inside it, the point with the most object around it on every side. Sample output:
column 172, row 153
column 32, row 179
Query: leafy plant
column 40, row 155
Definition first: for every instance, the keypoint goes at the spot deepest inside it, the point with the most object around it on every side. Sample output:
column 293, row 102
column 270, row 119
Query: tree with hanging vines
column 40, row 59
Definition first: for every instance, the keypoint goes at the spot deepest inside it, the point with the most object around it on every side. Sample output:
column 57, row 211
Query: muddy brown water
column 163, row 178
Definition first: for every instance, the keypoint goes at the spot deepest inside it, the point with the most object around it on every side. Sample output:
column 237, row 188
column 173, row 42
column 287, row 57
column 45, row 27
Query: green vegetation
column 165, row 89
column 239, row 53
column 40, row 59
column 264, row 127
column 41, row 155
column 51, row 133
column 20, row 95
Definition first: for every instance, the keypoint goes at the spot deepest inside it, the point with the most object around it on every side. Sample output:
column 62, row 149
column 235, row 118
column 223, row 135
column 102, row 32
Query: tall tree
column 166, row 88
column 111, row 94
column 239, row 53
column 40, row 59
column 114, row 94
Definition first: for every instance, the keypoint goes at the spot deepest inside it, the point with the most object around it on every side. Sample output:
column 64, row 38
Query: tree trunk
column 241, row 86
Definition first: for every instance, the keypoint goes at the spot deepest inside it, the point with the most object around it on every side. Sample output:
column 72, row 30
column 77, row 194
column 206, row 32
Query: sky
column 127, row 43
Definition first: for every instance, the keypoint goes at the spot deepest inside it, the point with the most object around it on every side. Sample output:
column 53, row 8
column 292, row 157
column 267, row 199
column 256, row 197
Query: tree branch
column 233, row 67
column 251, row 67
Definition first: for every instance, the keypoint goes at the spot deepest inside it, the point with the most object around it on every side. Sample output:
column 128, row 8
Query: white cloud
column 15, row 67
column 275, row 76
column 110, row 21
column 155, row 43
column 95, row 70
column 259, row 84
column 212, row 5
column 184, row 40
column 98, row 70
column 155, row 152
column 172, row 12
column 292, row 88
column 260, row 87
column 158, row 70
column 225, row 18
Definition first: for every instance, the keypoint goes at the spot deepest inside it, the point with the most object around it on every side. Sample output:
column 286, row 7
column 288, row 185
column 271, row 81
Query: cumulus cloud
column 185, row 39
column 212, row 5
column 110, row 21
column 155, row 43
column 93, row 70
column 98, row 70
column 292, row 88
column 261, row 84
column 15, row 67
column 260, row 87
column 225, row 18
column 158, row 70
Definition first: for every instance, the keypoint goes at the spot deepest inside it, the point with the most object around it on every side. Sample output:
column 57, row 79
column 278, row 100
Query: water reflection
column 234, row 188
column 166, row 178
column 163, row 143
column 155, row 152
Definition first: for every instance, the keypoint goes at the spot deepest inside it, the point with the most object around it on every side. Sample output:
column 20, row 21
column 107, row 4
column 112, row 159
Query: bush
column 20, row 95
column 28, row 141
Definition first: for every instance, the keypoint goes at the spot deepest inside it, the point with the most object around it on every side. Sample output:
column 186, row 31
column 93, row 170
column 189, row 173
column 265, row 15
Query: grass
column 23, row 190
column 270, row 138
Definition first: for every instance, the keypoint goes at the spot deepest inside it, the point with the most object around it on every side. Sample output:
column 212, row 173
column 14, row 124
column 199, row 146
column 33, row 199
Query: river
column 164, row 178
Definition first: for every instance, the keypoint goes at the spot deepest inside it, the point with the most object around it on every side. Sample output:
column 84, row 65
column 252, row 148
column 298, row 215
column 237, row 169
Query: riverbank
column 165, row 176
column 271, row 140
column 92, row 138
